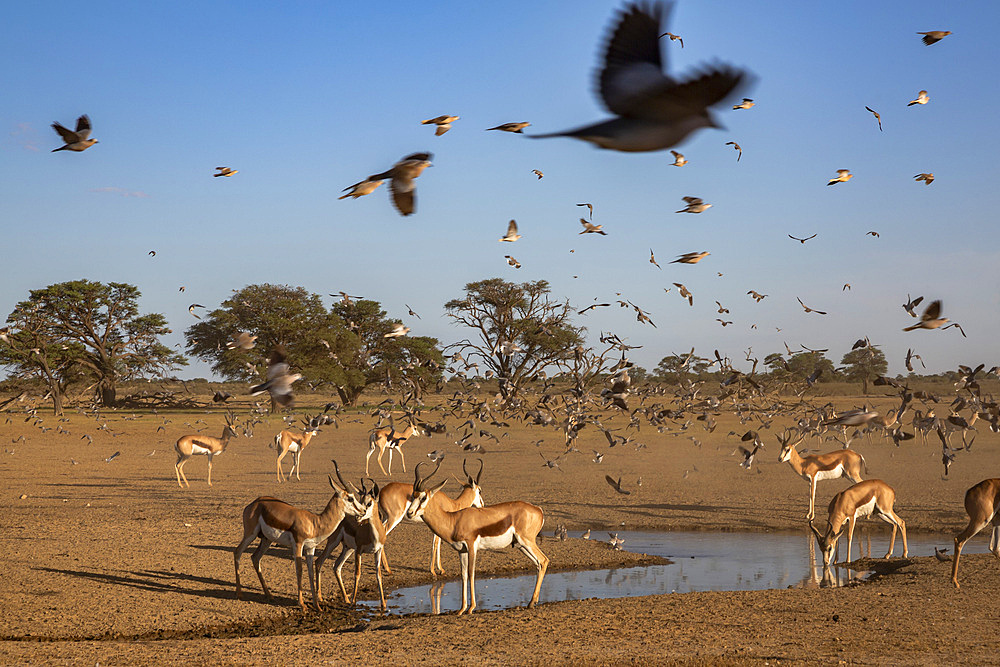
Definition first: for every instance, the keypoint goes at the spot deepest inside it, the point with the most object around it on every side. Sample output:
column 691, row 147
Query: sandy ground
column 113, row 563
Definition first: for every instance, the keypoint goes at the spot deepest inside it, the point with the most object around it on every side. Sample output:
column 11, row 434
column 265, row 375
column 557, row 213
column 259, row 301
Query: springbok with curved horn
column 832, row 465
column 394, row 498
column 498, row 526
column 274, row 520
column 389, row 438
column 193, row 445
column 290, row 441
column 982, row 503
column 872, row 497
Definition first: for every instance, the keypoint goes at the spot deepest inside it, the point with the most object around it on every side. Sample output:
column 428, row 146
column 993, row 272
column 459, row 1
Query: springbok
column 832, row 465
column 193, row 445
column 468, row 530
column 359, row 535
column 982, row 503
column 389, row 438
column 394, row 498
column 872, row 497
column 274, row 520
column 290, row 441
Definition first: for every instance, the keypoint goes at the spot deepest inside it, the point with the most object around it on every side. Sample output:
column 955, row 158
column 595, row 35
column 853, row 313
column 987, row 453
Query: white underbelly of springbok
column 865, row 510
column 835, row 473
column 198, row 449
column 294, row 448
column 496, row 542
column 287, row 538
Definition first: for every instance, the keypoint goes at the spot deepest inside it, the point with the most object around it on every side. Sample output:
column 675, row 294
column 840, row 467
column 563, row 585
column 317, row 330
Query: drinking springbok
column 982, row 504
column 872, row 497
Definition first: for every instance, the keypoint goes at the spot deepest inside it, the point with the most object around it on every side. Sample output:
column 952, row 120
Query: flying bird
column 590, row 228
column 279, row 378
column 511, row 234
column 225, row 171
column 960, row 329
column 931, row 318
column 934, row 36
column 736, row 146
column 679, row 159
column 722, row 310
column 152, row 253
column 922, row 98
column 652, row 260
column 745, row 104
column 401, row 181
column 590, row 207
column 241, row 341
column 513, row 262
column 926, row 178
column 537, row 173
column 652, row 111
column 872, row 233
column 411, row 312
column 795, row 238
column 398, row 330
column 593, row 305
column 192, row 307
column 617, row 485
column 758, row 297
column 843, row 175
column 77, row 141
column 673, row 38
column 877, row 117
column 911, row 304
column 361, row 188
column 517, row 128
column 443, row 123
column 694, row 205
column 691, row 257
column 808, row 309
column 685, row 293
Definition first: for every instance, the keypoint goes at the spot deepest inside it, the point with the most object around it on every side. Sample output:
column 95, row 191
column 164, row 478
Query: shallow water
column 702, row 561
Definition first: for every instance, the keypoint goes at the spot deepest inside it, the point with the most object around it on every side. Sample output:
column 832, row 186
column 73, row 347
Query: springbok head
column 421, row 494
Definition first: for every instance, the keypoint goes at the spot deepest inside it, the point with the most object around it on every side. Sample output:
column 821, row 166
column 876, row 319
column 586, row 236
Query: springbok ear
column 435, row 489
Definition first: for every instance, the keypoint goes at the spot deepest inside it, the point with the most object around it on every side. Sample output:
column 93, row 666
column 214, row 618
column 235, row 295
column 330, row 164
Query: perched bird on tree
column 77, row 141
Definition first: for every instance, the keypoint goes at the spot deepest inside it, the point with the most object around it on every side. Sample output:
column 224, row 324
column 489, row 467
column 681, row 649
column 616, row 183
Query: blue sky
column 306, row 98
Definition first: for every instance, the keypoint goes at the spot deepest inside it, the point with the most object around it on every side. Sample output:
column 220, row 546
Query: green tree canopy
column 864, row 365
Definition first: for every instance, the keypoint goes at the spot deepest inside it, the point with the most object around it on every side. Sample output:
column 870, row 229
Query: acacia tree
column 91, row 328
column 519, row 329
column 864, row 364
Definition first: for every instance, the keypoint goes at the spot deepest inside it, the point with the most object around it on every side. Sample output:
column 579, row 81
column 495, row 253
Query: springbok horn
column 346, row 485
column 416, row 477
column 816, row 532
column 480, row 474
column 467, row 475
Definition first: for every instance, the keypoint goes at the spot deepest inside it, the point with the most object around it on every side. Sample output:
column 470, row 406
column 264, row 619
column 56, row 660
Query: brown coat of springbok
column 193, row 445
column 389, row 438
column 872, row 497
column 982, row 504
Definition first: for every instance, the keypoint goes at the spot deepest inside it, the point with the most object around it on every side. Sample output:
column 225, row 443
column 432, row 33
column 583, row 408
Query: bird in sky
column 279, row 378
column 673, row 38
column 922, row 98
column 590, row 207
column 411, row 311
column 152, row 253
column 517, row 128
column 931, row 317
column 593, row 305
column 537, row 173
column 910, row 356
column 934, row 36
column 739, row 150
column 346, row 298
column 877, row 117
column 795, row 238
column 399, row 330
column 846, row 287
column 960, row 329
column 225, row 171
column 590, row 228
column 757, row 296
column 511, row 234
column 443, row 123
column 808, row 309
column 401, row 181
column 722, row 310
column 513, row 262
column 652, row 111
column 241, row 341
column 694, row 205
column 679, row 159
column 361, row 188
column 843, row 175
column 745, row 104
column 652, row 260
column 926, row 178
column 872, row 234
column 192, row 307
column 691, row 257
column 685, row 293
column 77, row 141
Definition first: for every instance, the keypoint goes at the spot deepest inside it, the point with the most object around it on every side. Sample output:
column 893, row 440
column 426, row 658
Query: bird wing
column 403, row 195
column 83, row 127
column 932, row 312
column 68, row 136
column 511, row 228
column 633, row 65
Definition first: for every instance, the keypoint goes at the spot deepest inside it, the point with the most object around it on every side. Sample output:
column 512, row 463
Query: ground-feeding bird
column 617, row 485
column 401, row 179
column 843, row 175
column 513, row 262
column 911, row 304
column 691, row 257
column 931, row 317
column 673, row 38
column 757, row 296
column 934, row 36
column 590, row 228
column 77, row 141
column 926, row 178
column 922, row 98
column 652, row 260
column 679, row 159
column 279, row 380
column 397, row 331
column 615, row 541
column 942, row 555
column 511, row 234
column 410, row 311
column 241, row 341
column 537, row 173
column 517, row 128
column 694, row 205
column 877, row 117
column 590, row 207
column 225, row 171
column 192, row 307
column 443, row 123
column 652, row 111
column 586, row 534
column 795, row 238
column 745, row 104
column 808, row 309
column 872, row 234
column 685, row 293
column 739, row 150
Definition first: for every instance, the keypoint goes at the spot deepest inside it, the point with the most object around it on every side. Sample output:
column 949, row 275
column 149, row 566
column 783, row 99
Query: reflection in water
column 702, row 561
